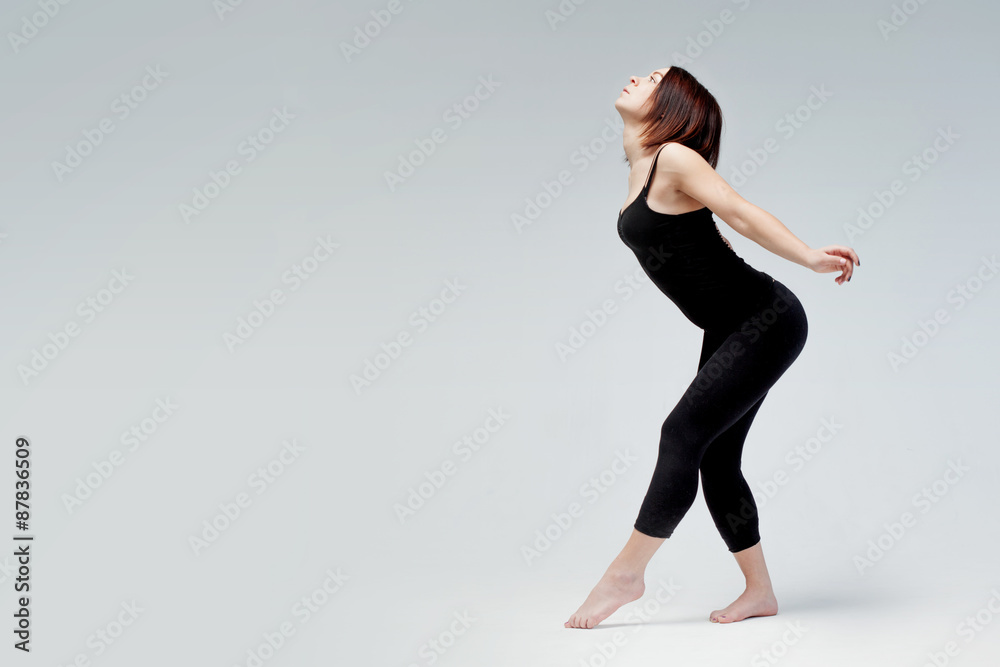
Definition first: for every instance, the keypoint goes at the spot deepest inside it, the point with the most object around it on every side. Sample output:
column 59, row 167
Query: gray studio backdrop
column 325, row 349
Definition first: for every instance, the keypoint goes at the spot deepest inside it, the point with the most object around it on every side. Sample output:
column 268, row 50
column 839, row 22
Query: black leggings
column 706, row 429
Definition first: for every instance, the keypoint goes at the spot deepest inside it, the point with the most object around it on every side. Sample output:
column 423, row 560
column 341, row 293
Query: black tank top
column 687, row 258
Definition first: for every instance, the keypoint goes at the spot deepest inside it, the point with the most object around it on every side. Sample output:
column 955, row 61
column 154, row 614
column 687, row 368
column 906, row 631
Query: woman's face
column 635, row 95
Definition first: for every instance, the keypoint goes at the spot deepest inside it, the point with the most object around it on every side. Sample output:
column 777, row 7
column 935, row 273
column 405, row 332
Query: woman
column 754, row 328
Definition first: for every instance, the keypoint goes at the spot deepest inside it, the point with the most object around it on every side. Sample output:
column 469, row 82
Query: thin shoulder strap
column 649, row 176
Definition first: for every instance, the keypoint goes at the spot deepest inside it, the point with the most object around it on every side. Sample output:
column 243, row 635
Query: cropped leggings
column 706, row 429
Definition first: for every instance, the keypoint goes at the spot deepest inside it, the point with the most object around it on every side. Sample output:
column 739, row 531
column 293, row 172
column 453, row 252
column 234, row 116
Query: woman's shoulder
column 673, row 157
column 676, row 158
column 673, row 150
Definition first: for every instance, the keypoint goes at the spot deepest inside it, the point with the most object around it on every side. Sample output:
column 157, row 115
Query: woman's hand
column 834, row 258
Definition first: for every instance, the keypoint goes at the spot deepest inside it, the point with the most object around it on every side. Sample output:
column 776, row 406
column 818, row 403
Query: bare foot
column 611, row 592
column 755, row 602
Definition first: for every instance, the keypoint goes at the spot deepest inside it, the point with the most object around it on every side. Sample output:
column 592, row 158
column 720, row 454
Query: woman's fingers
column 849, row 253
column 843, row 259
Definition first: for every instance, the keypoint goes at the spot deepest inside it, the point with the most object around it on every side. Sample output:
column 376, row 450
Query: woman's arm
column 767, row 231
column 693, row 176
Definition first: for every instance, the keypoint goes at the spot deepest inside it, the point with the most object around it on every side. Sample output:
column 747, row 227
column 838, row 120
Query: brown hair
column 691, row 115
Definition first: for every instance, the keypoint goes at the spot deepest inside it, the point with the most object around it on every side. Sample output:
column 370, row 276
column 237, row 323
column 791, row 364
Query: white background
column 493, row 347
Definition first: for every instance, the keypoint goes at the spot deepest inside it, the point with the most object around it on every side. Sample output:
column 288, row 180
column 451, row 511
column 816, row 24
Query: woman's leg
column 726, row 491
column 734, row 379
column 734, row 511
column 758, row 597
